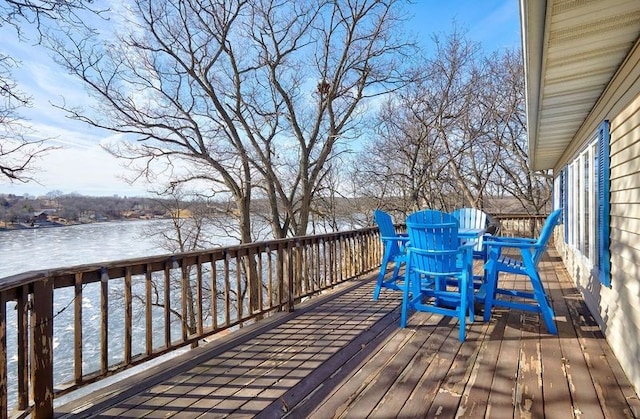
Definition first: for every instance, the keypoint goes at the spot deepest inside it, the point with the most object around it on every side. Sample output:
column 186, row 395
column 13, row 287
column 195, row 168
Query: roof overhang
column 572, row 49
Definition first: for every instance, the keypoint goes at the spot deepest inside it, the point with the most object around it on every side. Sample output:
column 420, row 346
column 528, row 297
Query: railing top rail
column 519, row 216
column 92, row 271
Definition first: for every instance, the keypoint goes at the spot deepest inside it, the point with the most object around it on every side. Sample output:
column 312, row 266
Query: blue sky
column 81, row 166
column 493, row 23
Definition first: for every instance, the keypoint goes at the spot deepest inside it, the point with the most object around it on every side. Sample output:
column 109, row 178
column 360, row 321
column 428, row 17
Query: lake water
column 46, row 248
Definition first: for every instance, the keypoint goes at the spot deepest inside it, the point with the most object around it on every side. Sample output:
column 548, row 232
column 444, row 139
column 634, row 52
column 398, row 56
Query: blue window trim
column 604, row 205
column 564, row 201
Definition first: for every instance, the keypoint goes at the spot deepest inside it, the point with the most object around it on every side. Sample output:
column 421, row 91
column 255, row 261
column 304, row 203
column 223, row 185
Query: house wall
column 617, row 309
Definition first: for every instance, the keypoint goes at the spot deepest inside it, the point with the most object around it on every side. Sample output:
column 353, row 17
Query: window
column 583, row 191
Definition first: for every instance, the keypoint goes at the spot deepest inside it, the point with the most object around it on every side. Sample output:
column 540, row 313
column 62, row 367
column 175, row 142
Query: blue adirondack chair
column 438, row 271
column 394, row 252
column 531, row 251
column 473, row 218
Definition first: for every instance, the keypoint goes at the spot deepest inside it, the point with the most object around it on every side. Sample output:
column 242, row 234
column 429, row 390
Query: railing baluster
column 269, row 276
column 330, row 260
column 199, row 296
column 128, row 317
column 290, row 276
column 184, row 283
column 280, row 274
column 239, row 299
column 298, row 284
column 319, row 262
column 227, row 291
column 167, row 304
column 104, row 324
column 77, row 332
column 214, row 294
column 260, row 279
column 148, row 309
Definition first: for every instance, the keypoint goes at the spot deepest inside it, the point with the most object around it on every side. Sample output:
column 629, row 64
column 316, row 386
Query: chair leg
column 404, row 313
column 490, row 289
column 376, row 291
column 396, row 271
column 471, row 297
column 383, row 272
column 462, row 311
column 471, row 305
column 538, row 291
column 491, row 281
column 463, row 328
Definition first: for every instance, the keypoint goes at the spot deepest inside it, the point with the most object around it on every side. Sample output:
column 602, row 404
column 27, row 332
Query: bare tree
column 247, row 98
column 459, row 106
column 514, row 175
column 455, row 137
column 38, row 13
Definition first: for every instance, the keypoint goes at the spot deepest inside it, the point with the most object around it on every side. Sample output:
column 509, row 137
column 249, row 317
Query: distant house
column 42, row 216
column 583, row 111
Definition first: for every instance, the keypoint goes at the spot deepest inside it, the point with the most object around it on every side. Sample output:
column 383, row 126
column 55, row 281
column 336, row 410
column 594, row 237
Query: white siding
column 617, row 309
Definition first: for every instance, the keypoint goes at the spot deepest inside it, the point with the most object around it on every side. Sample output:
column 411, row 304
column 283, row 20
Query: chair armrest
column 510, row 239
column 396, row 238
column 524, row 244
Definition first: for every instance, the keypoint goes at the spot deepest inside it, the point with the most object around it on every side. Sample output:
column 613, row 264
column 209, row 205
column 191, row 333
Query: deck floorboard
column 343, row 355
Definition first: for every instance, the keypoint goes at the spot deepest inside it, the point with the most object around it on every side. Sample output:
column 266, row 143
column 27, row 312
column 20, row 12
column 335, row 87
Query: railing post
column 42, row 348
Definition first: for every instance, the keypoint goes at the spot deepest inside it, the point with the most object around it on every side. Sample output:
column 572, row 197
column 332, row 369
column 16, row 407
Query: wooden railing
column 110, row 317
column 520, row 225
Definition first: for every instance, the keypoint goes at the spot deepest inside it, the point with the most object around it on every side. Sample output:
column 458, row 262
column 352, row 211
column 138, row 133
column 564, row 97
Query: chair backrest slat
column 472, row 218
column 385, row 223
column 545, row 235
column 387, row 229
column 433, row 238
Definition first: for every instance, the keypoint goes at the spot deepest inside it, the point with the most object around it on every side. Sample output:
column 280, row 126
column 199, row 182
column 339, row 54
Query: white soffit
column 572, row 50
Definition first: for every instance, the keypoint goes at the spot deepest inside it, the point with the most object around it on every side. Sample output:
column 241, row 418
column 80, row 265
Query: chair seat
column 508, row 264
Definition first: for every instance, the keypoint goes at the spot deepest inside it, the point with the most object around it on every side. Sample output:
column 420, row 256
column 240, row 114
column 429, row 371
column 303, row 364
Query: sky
column 80, row 165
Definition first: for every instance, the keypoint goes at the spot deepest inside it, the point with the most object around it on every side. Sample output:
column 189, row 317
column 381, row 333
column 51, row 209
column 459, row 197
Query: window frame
column 584, row 184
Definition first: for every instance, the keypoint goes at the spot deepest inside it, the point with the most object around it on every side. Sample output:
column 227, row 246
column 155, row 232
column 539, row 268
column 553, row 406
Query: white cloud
column 88, row 170
column 80, row 164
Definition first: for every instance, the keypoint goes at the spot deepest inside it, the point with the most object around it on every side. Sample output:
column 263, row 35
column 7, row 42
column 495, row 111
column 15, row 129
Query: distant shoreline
column 29, row 226
column 4, row 226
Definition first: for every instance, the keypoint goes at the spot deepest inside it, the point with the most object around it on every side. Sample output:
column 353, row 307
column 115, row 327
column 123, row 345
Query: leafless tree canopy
column 250, row 99
column 455, row 137
column 38, row 13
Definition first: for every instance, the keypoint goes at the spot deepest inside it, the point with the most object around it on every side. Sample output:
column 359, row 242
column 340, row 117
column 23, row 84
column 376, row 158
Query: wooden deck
column 344, row 355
